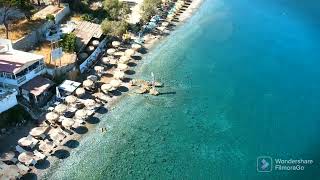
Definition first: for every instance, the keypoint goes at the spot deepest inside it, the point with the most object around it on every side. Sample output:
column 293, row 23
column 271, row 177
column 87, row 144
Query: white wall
column 8, row 102
column 28, row 77
column 93, row 57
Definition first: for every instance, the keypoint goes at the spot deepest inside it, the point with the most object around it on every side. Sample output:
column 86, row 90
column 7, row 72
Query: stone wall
column 28, row 42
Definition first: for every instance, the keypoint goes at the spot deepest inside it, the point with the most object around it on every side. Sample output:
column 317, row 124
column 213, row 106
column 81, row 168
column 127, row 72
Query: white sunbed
column 20, row 149
column 23, row 168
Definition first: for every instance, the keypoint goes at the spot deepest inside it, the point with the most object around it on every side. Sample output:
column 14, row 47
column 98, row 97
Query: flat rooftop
column 14, row 61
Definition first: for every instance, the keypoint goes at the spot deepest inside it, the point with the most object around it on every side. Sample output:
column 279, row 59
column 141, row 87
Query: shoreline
column 149, row 44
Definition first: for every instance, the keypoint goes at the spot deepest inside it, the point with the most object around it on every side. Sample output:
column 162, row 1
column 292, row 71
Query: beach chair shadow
column 29, row 176
column 72, row 144
column 42, row 164
column 93, row 120
column 81, row 130
column 61, row 154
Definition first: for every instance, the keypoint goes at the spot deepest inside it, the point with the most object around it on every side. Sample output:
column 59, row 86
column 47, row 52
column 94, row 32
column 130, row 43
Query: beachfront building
column 37, row 91
column 22, row 71
column 8, row 98
column 18, row 67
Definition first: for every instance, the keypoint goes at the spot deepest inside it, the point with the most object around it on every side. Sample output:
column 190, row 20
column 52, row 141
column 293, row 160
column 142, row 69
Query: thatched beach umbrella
column 95, row 42
column 106, row 87
column 113, row 61
column 80, row 91
column 118, row 75
column 124, row 59
column 7, row 156
column 52, row 116
column 116, row 43
column 10, row 172
column 106, row 60
column 90, row 48
column 119, row 53
column 57, row 136
column 38, row 131
column 60, row 108
column 71, row 99
column 98, row 69
column 26, row 157
column 89, row 103
column 67, row 122
column 129, row 52
column 165, row 24
column 136, row 46
column 111, row 51
column 115, row 83
column 46, row 146
column 87, row 83
column 82, row 113
column 122, row 67
column 25, row 142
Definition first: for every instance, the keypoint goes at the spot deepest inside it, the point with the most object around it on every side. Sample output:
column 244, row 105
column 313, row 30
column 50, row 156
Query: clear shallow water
column 242, row 80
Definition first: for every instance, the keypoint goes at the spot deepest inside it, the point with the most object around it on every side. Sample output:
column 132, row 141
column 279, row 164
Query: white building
column 7, row 99
column 18, row 67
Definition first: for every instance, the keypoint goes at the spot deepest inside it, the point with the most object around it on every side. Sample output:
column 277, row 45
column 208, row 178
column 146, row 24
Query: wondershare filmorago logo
column 264, row 164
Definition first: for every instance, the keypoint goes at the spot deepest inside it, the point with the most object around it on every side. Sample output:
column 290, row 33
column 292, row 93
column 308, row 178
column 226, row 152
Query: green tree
column 68, row 42
column 114, row 28
column 149, row 9
column 116, row 10
column 7, row 13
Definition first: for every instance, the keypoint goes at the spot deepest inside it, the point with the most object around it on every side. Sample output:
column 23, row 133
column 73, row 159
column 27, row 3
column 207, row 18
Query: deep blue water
column 242, row 80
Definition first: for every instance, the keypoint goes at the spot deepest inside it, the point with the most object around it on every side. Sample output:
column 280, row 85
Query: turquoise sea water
column 242, row 80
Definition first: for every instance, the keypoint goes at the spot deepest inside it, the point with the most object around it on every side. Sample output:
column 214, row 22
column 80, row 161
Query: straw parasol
column 119, row 53
column 80, row 91
column 124, row 59
column 60, row 108
column 106, row 60
column 122, row 67
column 116, row 43
column 82, row 113
column 90, row 48
column 46, row 146
column 67, row 122
column 83, row 56
column 129, row 52
column 26, row 157
column 25, row 141
column 71, row 99
column 165, row 24
column 57, row 136
column 95, row 42
column 38, row 131
column 115, row 83
column 98, row 68
column 106, row 87
column 87, row 83
column 10, row 172
column 118, row 74
column 111, row 51
column 7, row 156
column 52, row 116
column 136, row 46
column 113, row 61
column 89, row 103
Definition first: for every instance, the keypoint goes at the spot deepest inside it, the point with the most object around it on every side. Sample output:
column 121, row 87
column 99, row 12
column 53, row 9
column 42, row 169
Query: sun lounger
column 23, row 168
column 20, row 149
